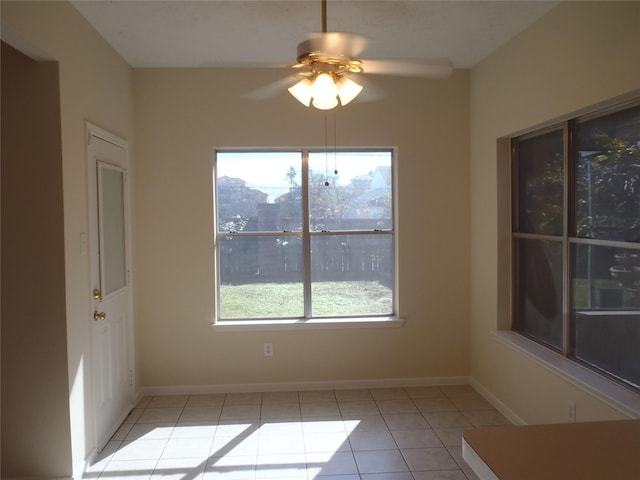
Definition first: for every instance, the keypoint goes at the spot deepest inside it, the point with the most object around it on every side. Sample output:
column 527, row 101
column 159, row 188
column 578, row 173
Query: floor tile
column 446, row 419
column 453, row 391
column 140, row 450
column 200, row 413
column 437, row 404
column 389, row 394
column 160, row 415
column 194, row 430
column 164, row 401
column 451, row 436
column 424, row 392
column 283, row 410
column 187, row 448
column 279, row 444
column 373, row 440
column 129, row 469
column 485, row 418
column 387, row 476
column 240, row 412
column 326, row 442
column 363, row 423
column 281, row 466
column 319, row 409
column 423, row 438
column 440, row 475
column 206, row 400
column 324, row 424
column 316, row 396
column 250, row 398
column 366, row 407
column 235, row 446
column 397, row 406
column 422, row 459
column 179, row 469
column 330, row 463
column 382, row 461
column 405, row 421
column 277, row 398
column 149, row 431
column 471, row 402
column 285, row 425
column 353, row 395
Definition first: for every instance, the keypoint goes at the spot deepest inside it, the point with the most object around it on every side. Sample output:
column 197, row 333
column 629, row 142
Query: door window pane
column 112, row 233
column 608, row 177
column 539, row 290
column 540, row 184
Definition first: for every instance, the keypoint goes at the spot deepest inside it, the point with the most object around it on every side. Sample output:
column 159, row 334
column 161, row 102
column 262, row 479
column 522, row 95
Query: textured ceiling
column 240, row 33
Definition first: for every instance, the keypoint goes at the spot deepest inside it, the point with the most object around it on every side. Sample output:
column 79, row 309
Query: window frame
column 560, row 360
column 307, row 234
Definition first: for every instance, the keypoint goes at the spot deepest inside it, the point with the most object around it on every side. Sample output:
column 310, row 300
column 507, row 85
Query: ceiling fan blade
column 272, row 89
column 437, row 68
column 334, row 44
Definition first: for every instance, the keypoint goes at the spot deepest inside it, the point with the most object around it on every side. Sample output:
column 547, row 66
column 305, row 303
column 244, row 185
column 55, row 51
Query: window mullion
column 568, row 217
column 306, row 237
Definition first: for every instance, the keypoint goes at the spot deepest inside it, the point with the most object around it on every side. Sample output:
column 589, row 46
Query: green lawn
column 275, row 300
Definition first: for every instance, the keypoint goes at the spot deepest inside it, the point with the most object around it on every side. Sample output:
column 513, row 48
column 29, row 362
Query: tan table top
column 585, row 451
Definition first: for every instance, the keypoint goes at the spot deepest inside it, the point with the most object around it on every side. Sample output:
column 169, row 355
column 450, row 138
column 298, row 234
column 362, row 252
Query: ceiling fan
column 326, row 61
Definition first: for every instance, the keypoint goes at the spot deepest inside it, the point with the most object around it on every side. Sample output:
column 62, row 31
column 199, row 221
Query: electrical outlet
column 571, row 410
column 268, row 349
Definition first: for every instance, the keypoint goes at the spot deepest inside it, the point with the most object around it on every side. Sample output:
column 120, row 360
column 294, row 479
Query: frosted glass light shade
column 302, row 91
column 347, row 90
column 324, row 89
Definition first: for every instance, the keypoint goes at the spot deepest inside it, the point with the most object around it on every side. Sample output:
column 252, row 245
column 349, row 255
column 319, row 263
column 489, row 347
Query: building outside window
column 576, row 240
column 304, row 234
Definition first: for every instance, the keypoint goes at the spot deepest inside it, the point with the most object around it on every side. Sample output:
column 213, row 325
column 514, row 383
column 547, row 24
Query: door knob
column 97, row 293
column 99, row 315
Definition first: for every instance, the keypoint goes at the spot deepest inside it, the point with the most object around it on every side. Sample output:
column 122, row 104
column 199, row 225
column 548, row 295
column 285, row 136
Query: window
column 576, row 241
column 304, row 234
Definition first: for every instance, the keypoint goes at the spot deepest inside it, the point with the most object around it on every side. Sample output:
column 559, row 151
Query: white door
column 111, row 316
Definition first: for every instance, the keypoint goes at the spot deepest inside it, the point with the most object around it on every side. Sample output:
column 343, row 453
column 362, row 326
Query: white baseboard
column 496, row 402
column 300, row 386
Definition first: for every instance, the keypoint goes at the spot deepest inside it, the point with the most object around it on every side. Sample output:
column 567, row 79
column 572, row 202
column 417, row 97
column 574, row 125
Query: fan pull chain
column 326, row 153
column 335, row 145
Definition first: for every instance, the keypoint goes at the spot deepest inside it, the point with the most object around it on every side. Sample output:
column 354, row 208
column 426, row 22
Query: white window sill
column 314, row 324
column 616, row 396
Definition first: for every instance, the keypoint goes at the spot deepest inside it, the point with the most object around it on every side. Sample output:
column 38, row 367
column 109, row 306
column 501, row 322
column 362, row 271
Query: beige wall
column 33, row 280
column 96, row 85
column 182, row 115
column 578, row 55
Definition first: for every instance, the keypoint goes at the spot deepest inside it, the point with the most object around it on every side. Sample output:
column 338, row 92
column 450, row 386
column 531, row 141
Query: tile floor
column 411, row 433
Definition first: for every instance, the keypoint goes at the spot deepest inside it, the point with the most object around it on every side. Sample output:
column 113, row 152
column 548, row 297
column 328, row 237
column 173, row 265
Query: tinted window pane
column 540, row 184
column 357, row 197
column 351, row 275
column 261, row 277
column 606, row 310
column 539, row 290
column 259, row 192
column 608, row 177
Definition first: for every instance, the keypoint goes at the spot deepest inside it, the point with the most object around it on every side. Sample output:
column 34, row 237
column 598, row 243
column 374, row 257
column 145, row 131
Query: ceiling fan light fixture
column 347, row 90
column 325, row 104
column 324, row 89
column 302, row 91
